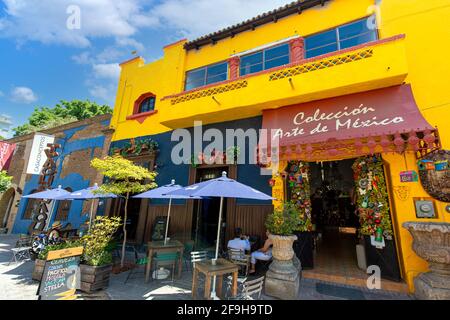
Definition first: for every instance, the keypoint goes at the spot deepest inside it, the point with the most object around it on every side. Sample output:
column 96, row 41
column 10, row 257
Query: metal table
column 160, row 247
column 221, row 268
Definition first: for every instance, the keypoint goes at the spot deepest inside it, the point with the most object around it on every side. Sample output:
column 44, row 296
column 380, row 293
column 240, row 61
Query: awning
column 382, row 120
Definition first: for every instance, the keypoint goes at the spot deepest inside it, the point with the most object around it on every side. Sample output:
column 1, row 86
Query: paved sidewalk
column 16, row 284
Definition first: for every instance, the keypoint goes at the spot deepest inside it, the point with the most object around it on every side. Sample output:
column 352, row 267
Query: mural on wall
column 434, row 174
column 135, row 147
column 48, row 173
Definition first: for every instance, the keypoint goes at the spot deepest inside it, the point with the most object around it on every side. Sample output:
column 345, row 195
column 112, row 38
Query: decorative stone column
column 283, row 276
column 234, row 67
column 297, row 47
column 432, row 243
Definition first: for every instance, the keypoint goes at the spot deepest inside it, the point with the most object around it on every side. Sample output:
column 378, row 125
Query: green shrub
column 285, row 221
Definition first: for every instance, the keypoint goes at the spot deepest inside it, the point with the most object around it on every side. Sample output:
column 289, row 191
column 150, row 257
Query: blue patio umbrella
column 87, row 194
column 162, row 193
column 50, row 194
column 222, row 187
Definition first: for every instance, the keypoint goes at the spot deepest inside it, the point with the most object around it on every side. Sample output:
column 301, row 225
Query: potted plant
column 97, row 258
column 283, row 277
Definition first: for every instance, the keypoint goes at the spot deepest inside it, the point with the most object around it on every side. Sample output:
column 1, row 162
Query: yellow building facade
column 410, row 49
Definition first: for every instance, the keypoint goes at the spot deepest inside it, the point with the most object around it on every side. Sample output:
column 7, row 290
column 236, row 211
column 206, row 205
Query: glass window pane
column 216, row 78
column 277, row 62
column 353, row 29
column 195, row 79
column 322, row 50
column 277, row 52
column 371, row 36
column 217, row 69
column 321, row 39
column 251, row 63
column 217, row 73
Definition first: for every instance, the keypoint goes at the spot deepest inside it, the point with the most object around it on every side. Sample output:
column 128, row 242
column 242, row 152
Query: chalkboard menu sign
column 61, row 277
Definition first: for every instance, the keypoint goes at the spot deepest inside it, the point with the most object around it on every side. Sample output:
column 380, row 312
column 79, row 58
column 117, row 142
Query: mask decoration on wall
column 373, row 202
column 434, row 174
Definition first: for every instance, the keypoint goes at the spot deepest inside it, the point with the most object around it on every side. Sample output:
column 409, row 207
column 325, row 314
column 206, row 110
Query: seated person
column 54, row 236
column 240, row 241
column 265, row 253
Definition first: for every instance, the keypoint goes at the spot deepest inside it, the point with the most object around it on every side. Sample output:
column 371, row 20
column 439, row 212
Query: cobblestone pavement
column 16, row 284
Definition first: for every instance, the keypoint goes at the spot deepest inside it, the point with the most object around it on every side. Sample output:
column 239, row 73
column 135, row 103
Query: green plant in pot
column 97, row 248
column 282, row 224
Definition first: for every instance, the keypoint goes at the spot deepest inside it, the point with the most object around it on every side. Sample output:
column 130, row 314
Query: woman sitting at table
column 264, row 254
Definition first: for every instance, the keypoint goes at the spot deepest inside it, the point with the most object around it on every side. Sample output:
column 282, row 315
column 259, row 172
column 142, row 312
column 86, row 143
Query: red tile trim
column 130, row 60
column 140, row 117
column 174, row 43
column 294, row 64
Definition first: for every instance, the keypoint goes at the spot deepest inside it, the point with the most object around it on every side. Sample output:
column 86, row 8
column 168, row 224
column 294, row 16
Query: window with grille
column 342, row 37
column 147, row 105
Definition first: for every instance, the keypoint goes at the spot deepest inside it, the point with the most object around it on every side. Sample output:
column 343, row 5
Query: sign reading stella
column 37, row 155
column 372, row 113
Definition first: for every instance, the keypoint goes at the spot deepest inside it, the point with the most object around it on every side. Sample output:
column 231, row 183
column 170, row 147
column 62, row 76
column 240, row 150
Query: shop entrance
column 335, row 217
column 346, row 206
column 206, row 212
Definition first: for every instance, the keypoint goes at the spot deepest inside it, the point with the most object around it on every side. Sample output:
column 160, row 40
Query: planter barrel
column 431, row 242
column 94, row 278
column 38, row 269
column 283, row 277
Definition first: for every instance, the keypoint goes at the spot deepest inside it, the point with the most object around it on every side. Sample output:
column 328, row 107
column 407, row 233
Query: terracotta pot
column 282, row 247
column 432, row 243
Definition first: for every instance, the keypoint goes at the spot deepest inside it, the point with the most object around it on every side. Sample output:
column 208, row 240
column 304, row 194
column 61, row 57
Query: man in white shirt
column 240, row 241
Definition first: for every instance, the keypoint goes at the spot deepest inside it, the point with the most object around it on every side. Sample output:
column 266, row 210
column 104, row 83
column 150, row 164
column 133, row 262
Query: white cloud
column 23, row 95
column 200, row 17
column 103, row 92
column 46, row 20
column 106, row 71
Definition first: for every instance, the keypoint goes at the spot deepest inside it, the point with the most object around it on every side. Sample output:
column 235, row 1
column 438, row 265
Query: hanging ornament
column 372, row 145
column 385, row 143
column 298, row 149
column 413, row 141
column 309, row 149
column 272, row 182
column 399, row 142
column 333, row 152
column 429, row 137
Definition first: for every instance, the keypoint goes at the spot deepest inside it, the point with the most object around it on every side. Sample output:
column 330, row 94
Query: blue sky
column 43, row 61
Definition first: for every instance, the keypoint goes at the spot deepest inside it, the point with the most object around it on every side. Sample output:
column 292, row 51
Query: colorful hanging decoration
column 300, row 192
column 373, row 202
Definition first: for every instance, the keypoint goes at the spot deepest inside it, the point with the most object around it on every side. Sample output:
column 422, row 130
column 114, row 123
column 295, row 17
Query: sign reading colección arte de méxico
column 61, row 277
column 37, row 155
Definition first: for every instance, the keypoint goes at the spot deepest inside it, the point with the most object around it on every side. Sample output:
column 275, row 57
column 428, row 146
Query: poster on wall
column 37, row 155
column 61, row 277
column 6, row 152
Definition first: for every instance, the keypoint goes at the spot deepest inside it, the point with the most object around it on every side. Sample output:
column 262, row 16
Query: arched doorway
column 6, row 204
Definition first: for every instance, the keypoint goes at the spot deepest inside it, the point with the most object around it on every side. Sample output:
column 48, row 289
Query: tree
column 64, row 112
column 5, row 181
column 124, row 179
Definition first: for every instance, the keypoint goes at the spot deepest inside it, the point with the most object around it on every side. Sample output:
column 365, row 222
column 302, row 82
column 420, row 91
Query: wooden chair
column 239, row 257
